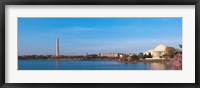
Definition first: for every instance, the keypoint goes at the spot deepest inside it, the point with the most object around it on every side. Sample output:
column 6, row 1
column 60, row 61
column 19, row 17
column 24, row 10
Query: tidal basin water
column 85, row 65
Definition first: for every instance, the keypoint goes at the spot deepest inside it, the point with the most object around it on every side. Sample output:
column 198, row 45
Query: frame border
column 3, row 3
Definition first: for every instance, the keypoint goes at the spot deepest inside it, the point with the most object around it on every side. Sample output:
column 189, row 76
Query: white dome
column 160, row 47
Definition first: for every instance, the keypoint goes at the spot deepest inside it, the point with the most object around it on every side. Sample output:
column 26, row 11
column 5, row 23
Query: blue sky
column 96, row 35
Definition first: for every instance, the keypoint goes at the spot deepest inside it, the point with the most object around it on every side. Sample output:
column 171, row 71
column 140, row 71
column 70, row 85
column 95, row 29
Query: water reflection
column 157, row 66
column 57, row 65
column 86, row 65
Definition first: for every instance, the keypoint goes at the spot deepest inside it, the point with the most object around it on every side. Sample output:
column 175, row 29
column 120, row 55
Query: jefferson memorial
column 157, row 52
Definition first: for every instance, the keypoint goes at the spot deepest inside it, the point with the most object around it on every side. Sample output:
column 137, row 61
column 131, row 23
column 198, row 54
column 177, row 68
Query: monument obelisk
column 57, row 48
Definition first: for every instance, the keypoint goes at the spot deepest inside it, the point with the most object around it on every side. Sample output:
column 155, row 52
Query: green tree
column 140, row 56
column 149, row 55
column 145, row 56
column 180, row 46
column 170, row 52
column 135, row 57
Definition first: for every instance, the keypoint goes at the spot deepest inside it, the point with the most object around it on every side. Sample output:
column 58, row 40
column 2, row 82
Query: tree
column 149, row 55
column 180, row 46
column 140, row 56
column 145, row 56
column 176, row 62
column 135, row 57
column 170, row 52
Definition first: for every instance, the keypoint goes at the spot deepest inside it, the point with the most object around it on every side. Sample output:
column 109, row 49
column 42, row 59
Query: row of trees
column 37, row 57
column 171, row 52
column 78, row 57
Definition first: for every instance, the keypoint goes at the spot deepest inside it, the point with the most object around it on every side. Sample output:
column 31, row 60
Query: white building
column 157, row 52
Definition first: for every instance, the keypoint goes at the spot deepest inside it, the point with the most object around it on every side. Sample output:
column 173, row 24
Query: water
column 85, row 65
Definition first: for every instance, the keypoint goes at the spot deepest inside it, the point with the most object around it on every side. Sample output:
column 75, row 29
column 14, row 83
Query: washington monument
column 57, row 48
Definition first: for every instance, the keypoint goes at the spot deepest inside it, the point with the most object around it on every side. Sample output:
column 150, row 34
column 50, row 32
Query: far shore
column 116, row 59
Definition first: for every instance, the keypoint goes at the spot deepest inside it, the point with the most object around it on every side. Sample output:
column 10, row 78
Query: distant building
column 157, row 52
column 120, row 55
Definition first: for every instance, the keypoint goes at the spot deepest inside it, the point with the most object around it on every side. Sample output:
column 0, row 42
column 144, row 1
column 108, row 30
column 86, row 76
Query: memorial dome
column 160, row 47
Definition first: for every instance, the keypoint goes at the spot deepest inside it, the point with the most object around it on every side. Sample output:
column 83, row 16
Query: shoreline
column 117, row 60
column 146, row 61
